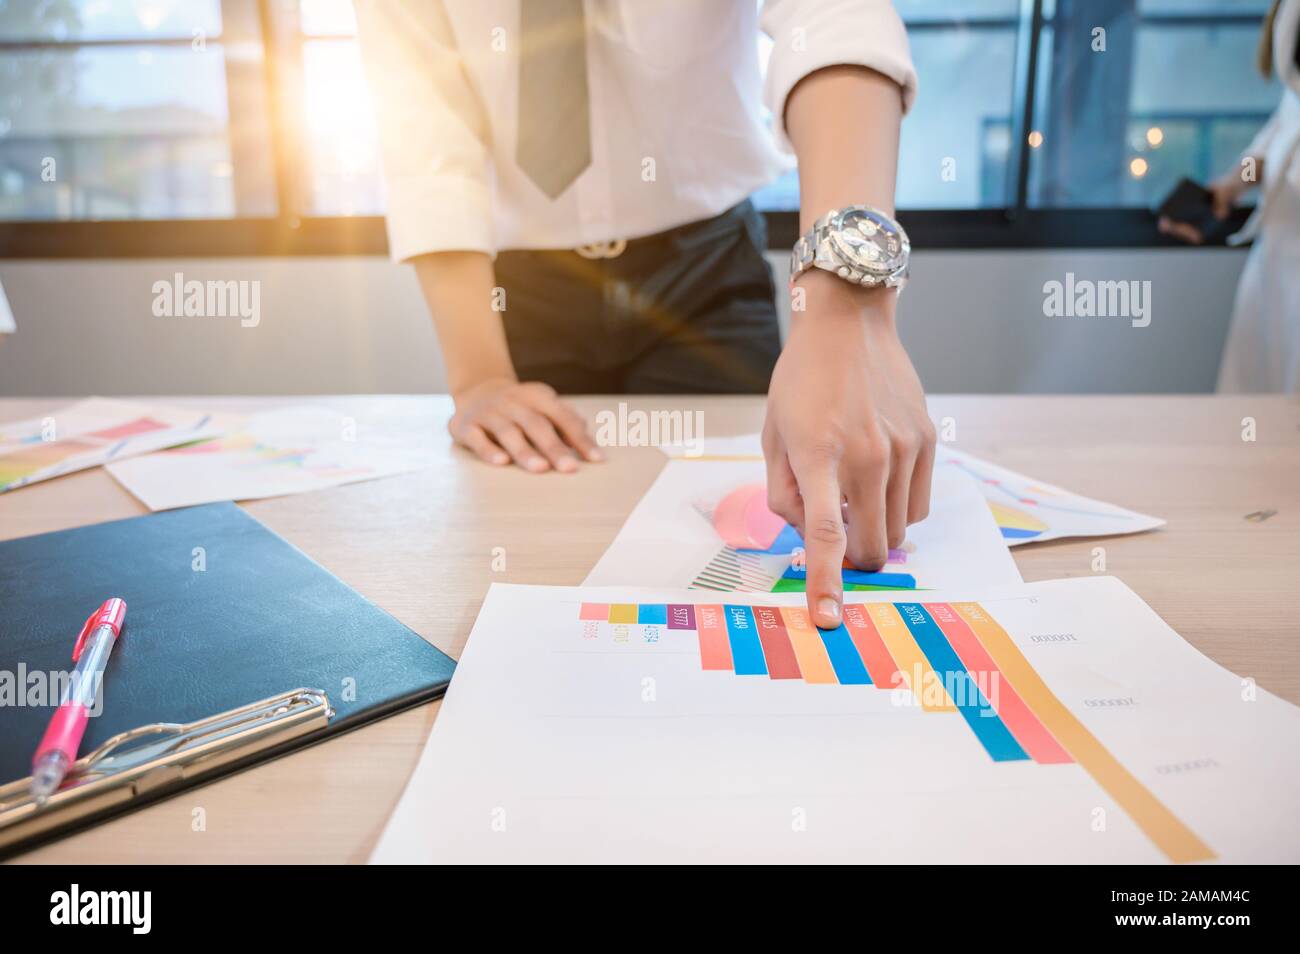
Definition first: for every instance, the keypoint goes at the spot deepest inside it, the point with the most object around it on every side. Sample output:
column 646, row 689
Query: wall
column 973, row 321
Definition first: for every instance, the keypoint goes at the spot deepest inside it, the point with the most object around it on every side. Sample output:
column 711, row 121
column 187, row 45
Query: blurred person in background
column 1262, row 353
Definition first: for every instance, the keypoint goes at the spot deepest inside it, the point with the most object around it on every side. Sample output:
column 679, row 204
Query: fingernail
column 829, row 609
column 537, row 464
column 594, row 454
column 501, row 459
column 566, row 465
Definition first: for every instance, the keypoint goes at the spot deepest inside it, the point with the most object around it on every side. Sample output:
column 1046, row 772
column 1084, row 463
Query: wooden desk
column 421, row 547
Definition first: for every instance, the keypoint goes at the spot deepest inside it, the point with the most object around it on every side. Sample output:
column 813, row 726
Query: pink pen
column 58, row 748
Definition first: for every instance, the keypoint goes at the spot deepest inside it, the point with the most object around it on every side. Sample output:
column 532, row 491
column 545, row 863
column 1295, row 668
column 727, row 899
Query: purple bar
column 681, row 616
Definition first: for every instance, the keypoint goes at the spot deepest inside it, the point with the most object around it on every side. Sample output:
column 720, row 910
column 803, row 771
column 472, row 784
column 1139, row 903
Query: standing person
column 1262, row 353
column 570, row 181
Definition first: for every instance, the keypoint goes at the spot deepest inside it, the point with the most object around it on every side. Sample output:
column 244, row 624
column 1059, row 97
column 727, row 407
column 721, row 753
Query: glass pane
column 956, row 141
column 128, row 132
column 950, row 11
column 342, row 143
column 955, row 145
column 34, row 20
column 1197, row 7
column 1174, row 93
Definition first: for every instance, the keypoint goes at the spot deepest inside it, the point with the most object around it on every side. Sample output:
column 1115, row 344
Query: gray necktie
column 554, row 120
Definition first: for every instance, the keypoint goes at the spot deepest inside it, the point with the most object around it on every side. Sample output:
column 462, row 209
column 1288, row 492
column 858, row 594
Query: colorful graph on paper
column 954, row 658
column 247, row 453
column 761, row 551
column 90, row 433
column 1026, row 509
column 284, row 450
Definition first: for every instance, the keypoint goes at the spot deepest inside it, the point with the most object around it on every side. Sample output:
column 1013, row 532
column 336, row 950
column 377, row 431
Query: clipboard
column 152, row 761
column 201, row 684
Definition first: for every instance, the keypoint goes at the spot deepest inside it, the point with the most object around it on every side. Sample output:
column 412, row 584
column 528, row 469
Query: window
column 249, row 120
column 112, row 110
column 1132, row 96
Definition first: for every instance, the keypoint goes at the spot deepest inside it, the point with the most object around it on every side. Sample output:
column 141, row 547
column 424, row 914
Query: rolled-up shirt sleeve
column 432, row 129
column 809, row 35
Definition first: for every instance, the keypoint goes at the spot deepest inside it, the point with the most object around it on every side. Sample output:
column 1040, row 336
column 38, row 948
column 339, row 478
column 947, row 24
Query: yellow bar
column 1171, row 836
column 909, row 659
column 808, row 646
column 622, row 613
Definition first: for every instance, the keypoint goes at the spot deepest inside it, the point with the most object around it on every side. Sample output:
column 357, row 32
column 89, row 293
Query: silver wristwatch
column 859, row 244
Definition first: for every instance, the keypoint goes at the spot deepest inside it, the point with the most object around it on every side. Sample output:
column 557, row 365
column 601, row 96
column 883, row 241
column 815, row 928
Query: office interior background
column 234, row 140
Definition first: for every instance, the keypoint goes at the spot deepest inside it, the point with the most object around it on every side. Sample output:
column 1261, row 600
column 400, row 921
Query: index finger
column 824, row 540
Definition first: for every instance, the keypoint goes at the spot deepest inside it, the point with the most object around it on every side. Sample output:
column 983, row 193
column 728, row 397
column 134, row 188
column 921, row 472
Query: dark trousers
column 689, row 311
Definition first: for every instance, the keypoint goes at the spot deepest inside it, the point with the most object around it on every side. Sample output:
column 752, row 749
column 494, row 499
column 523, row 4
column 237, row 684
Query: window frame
column 1016, row 226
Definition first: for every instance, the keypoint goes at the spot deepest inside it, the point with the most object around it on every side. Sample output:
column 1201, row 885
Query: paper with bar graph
column 93, row 432
column 1026, row 509
column 705, row 524
column 282, row 451
column 1060, row 721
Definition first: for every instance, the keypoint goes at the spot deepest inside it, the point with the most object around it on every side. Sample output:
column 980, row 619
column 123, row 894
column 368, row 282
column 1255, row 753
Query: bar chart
column 952, row 658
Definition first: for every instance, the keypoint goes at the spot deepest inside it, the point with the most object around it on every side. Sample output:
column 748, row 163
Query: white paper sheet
column 93, row 432
column 564, row 741
column 667, row 542
column 283, row 451
column 1029, row 510
column 1026, row 510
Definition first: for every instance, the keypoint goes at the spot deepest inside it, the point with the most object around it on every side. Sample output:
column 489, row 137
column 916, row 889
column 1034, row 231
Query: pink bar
column 1019, row 718
column 598, row 611
column 715, row 649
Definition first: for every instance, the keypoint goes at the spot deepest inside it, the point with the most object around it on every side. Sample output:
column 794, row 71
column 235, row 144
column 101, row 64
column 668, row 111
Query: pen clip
column 112, row 612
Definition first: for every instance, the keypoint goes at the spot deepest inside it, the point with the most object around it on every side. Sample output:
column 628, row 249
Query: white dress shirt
column 676, row 98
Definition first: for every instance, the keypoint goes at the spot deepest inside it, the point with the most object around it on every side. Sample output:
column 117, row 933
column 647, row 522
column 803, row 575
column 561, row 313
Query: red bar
column 875, row 654
column 777, row 649
column 715, row 648
column 1018, row 717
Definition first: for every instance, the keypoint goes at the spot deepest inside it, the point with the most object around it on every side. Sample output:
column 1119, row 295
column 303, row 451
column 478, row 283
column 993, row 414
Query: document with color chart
column 93, row 432
column 704, row 524
column 1026, row 509
column 283, row 451
column 1060, row 721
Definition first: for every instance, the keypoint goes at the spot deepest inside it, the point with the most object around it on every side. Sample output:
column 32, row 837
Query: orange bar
column 875, row 655
column 715, row 649
column 992, row 682
column 808, row 646
column 909, row 659
column 1170, row 835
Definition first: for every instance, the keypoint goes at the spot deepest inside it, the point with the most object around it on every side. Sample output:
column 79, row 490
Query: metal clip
column 151, row 757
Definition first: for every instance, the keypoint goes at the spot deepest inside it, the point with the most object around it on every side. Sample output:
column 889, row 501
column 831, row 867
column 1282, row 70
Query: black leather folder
column 221, row 613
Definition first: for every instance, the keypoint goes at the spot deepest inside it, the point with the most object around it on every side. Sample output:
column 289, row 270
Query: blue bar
column 844, row 657
column 746, row 650
column 902, row 581
column 987, row 725
column 653, row 613
column 897, row 581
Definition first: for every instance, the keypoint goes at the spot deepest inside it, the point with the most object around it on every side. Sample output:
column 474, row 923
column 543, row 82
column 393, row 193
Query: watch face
column 869, row 241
